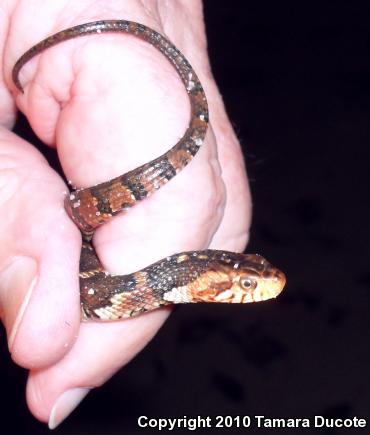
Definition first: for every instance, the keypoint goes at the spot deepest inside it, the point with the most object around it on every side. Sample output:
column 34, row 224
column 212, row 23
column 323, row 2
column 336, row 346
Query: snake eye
column 247, row 283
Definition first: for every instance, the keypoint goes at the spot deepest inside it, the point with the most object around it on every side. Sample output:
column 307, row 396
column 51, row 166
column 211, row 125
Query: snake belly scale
column 187, row 277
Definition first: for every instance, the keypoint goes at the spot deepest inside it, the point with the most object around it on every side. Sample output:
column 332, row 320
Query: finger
column 100, row 350
column 233, row 232
column 38, row 293
column 111, row 125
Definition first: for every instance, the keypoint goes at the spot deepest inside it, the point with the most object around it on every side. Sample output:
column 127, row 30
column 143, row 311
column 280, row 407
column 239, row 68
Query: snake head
column 239, row 278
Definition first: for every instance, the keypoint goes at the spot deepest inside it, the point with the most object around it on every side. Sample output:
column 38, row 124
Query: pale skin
column 108, row 103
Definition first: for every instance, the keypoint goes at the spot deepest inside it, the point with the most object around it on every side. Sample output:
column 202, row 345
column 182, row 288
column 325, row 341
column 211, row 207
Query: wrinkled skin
column 107, row 103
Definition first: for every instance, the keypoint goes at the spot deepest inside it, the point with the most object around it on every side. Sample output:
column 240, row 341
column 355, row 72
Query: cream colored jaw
column 266, row 289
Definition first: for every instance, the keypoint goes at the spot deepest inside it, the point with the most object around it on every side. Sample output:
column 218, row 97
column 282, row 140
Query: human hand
column 108, row 103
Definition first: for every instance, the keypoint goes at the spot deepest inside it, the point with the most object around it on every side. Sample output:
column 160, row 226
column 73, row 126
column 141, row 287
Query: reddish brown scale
column 199, row 276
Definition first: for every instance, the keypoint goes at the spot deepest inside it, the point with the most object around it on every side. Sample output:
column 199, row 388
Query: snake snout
column 277, row 279
column 280, row 279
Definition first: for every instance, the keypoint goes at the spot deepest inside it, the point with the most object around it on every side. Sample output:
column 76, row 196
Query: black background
column 295, row 77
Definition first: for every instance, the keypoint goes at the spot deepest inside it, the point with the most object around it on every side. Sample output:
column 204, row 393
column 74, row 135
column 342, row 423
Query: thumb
column 38, row 279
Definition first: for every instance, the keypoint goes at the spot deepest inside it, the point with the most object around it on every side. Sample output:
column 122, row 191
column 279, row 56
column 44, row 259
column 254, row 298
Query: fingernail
column 17, row 283
column 65, row 404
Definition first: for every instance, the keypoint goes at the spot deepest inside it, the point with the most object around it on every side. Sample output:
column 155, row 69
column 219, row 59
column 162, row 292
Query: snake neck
column 168, row 281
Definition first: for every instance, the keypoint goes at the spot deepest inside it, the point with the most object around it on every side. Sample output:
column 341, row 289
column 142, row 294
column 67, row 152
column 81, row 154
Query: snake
column 186, row 277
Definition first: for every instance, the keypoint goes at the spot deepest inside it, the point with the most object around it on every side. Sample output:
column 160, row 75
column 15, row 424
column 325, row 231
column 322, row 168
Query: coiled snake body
column 198, row 276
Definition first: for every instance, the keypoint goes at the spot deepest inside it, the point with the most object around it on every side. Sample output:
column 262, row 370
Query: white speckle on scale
column 236, row 265
column 177, row 295
column 190, row 85
column 91, row 291
column 76, row 204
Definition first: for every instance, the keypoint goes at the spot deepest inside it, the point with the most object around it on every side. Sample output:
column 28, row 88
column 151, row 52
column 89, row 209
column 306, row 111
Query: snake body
column 197, row 276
